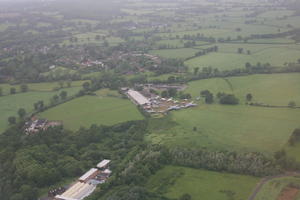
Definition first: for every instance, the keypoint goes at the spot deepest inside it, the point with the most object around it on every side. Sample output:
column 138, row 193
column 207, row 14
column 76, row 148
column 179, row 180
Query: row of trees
column 13, row 90
column 224, row 98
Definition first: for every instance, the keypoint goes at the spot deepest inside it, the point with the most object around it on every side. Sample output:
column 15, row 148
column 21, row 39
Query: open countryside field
column 88, row 110
column 227, row 58
column 273, row 89
column 174, row 181
column 175, row 53
column 240, row 128
column 40, row 87
column 272, row 189
column 10, row 104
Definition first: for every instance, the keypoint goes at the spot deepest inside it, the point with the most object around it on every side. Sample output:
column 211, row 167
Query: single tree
column 21, row 112
column 196, row 70
column 12, row 120
column 13, row 90
column 249, row 97
column 185, row 197
column 86, row 86
column 63, row 95
column 23, row 88
column 240, row 50
column 69, row 83
column 292, row 104
column 61, row 84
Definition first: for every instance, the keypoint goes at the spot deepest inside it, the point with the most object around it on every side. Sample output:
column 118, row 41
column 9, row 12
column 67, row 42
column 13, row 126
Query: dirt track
column 265, row 180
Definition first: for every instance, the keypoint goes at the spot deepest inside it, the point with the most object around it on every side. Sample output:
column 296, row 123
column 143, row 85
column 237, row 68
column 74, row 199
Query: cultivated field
column 101, row 109
column 174, row 181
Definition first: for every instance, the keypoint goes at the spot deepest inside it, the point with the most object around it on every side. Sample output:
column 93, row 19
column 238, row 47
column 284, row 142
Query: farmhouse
column 36, row 125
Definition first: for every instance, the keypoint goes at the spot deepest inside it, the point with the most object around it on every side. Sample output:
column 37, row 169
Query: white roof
column 103, row 163
column 88, row 174
column 107, row 171
column 77, row 192
column 138, row 97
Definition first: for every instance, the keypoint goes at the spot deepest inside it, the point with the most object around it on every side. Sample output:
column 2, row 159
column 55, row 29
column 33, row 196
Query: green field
column 227, row 58
column 272, row 189
column 40, row 87
column 10, row 104
column 274, row 89
column 175, row 53
column 174, row 181
column 240, row 127
column 102, row 109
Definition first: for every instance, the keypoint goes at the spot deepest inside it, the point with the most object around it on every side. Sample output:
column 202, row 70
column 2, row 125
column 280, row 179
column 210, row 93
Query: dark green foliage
column 41, row 160
column 209, row 97
column 229, row 99
column 185, row 197
column 255, row 164
column 295, row 137
column 23, row 88
column 13, row 90
column 249, row 97
column 12, row 120
column 21, row 112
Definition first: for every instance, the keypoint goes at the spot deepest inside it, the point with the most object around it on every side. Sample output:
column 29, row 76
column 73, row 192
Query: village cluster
column 85, row 185
column 153, row 103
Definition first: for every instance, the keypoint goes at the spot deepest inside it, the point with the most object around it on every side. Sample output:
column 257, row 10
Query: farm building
column 103, row 164
column 137, row 97
column 77, row 192
column 87, row 183
column 89, row 175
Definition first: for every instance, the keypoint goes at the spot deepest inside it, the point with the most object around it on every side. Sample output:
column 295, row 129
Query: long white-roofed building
column 137, row 97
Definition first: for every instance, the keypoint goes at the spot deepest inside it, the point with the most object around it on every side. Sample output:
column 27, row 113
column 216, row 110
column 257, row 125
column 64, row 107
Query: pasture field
column 40, row 87
column 100, row 109
column 182, row 53
column 272, row 89
column 272, row 189
column 239, row 128
column 172, row 182
column 227, row 58
column 10, row 104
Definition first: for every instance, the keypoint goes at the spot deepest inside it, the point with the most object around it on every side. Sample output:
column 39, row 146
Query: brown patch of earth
column 288, row 193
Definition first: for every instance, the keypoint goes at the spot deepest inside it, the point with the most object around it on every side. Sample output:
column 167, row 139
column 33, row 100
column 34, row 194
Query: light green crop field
column 272, row 89
column 174, row 181
column 272, row 189
column 10, row 104
column 88, row 110
column 175, row 53
column 239, row 128
column 227, row 58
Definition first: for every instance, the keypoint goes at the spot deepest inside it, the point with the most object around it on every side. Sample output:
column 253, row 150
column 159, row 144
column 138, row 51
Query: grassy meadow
column 240, row 127
column 227, row 58
column 174, row 181
column 106, row 108
column 10, row 104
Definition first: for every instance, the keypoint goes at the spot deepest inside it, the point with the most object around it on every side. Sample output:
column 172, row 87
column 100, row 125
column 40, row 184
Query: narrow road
column 267, row 179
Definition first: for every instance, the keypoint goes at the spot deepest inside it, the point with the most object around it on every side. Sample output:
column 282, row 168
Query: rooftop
column 103, row 163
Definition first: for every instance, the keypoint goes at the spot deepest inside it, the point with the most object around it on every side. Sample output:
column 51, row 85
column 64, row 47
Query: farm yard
column 103, row 109
column 173, row 182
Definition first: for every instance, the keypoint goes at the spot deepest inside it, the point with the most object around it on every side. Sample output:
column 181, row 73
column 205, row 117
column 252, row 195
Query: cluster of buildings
column 36, row 125
column 156, row 104
column 87, row 183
